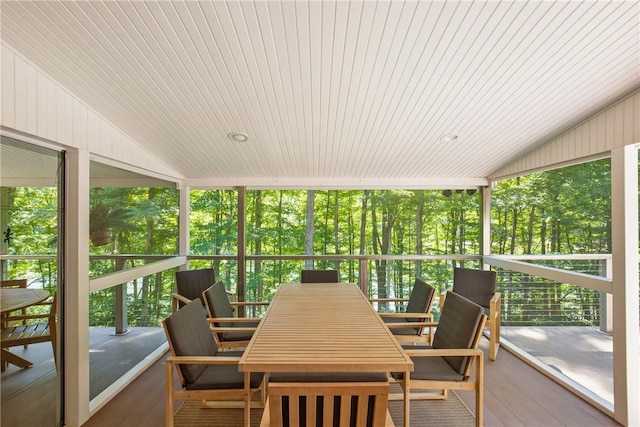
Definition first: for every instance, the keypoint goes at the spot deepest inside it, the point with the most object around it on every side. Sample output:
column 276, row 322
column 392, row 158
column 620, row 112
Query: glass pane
column 133, row 222
column 29, row 216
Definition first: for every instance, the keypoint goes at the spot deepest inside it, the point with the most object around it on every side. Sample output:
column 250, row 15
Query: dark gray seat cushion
column 220, row 306
column 457, row 328
column 419, row 300
column 190, row 335
column 223, row 377
column 431, row 368
column 319, row 276
column 191, row 283
column 478, row 286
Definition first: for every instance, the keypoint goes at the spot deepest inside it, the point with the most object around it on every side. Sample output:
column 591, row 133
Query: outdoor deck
column 515, row 393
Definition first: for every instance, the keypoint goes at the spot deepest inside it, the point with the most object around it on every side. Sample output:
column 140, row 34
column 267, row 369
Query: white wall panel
column 615, row 127
column 35, row 104
column 20, row 93
column 7, row 62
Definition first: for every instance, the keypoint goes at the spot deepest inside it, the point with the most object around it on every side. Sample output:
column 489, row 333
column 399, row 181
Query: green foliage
column 562, row 211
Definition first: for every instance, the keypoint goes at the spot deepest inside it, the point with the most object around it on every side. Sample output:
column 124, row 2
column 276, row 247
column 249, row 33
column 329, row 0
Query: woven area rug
column 450, row 412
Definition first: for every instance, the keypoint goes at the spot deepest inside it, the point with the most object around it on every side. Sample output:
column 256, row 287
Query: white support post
column 626, row 332
column 485, row 221
column 76, row 315
column 183, row 223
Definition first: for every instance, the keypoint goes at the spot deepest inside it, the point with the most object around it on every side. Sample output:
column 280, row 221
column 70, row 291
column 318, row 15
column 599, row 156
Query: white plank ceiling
column 335, row 91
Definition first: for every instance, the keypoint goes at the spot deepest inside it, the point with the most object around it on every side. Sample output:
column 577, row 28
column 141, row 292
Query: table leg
column 407, row 399
column 14, row 359
column 247, row 398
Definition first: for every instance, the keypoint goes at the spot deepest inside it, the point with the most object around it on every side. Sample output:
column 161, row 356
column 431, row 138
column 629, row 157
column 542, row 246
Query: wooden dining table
column 12, row 299
column 322, row 327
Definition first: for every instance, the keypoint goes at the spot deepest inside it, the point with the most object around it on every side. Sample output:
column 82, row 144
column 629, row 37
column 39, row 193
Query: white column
column 76, row 301
column 183, row 222
column 624, row 216
column 485, row 224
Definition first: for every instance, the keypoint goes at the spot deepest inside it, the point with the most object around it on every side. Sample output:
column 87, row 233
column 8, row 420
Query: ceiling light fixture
column 238, row 137
column 449, row 138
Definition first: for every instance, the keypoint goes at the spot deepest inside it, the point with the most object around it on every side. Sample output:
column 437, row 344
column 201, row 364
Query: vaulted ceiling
column 335, row 90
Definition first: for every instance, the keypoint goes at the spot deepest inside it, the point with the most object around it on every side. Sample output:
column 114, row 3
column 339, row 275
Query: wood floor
column 515, row 395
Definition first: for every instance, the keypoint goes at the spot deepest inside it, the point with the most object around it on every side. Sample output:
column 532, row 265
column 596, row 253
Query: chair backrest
column 318, row 404
column 478, row 286
column 217, row 302
column 319, row 276
column 188, row 334
column 460, row 326
column 420, row 299
column 191, row 283
column 15, row 283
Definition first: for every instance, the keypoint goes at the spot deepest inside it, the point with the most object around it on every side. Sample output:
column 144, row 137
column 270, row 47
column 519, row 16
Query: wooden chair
column 479, row 286
column 190, row 284
column 205, row 373
column 410, row 324
column 229, row 330
column 12, row 336
column 446, row 365
column 16, row 283
column 327, row 400
column 319, row 276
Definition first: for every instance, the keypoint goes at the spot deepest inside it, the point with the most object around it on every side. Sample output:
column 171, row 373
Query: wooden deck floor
column 515, row 395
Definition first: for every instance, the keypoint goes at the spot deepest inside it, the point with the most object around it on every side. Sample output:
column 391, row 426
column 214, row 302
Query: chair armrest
column 407, row 316
column 453, row 352
column 413, row 325
column 203, row 360
column 249, row 303
column 175, row 298
column 213, row 320
column 27, row 317
column 388, row 300
column 225, row 329
column 495, row 299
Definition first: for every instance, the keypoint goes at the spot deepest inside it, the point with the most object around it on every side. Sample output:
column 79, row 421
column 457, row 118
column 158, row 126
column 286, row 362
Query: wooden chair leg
column 169, row 395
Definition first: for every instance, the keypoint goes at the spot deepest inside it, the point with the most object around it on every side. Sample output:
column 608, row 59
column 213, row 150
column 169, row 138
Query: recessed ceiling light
column 449, row 138
column 238, row 137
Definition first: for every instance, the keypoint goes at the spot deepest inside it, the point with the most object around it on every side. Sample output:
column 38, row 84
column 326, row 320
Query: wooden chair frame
column 177, row 298
column 15, row 283
column 240, row 324
column 273, row 416
column 493, row 321
column 218, row 398
column 423, row 320
column 473, row 382
column 13, row 336
column 210, row 398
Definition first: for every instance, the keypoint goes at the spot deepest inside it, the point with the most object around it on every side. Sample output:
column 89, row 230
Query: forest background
column 563, row 211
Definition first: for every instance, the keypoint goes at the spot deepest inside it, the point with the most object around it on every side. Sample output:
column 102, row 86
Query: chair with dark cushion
column 205, row 373
column 446, row 365
column 319, row 276
column 327, row 399
column 190, row 284
column 479, row 286
column 229, row 330
column 416, row 314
